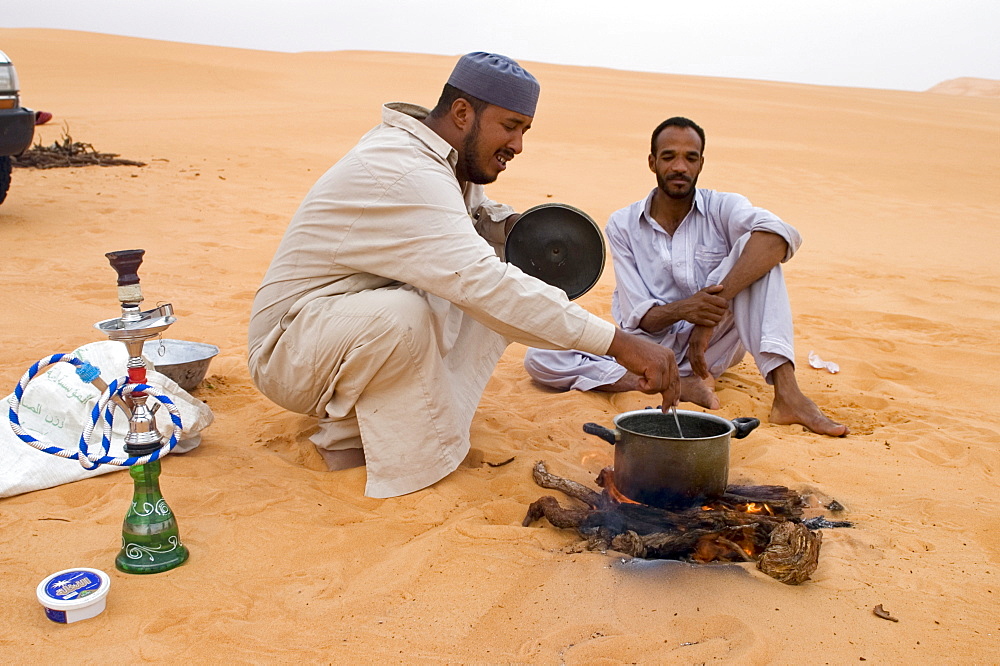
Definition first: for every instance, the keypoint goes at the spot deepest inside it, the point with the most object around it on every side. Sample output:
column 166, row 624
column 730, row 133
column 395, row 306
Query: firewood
column 572, row 488
column 717, row 548
column 671, row 545
column 746, row 523
column 782, row 501
column 548, row 507
column 68, row 153
column 630, row 544
column 792, row 554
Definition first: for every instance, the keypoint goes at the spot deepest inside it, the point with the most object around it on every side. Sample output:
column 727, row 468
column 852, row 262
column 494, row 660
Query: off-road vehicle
column 17, row 124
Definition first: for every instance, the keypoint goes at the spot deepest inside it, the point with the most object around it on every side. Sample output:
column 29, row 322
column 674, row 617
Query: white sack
column 56, row 407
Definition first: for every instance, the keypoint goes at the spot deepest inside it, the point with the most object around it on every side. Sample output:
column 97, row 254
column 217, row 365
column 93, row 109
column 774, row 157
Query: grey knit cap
column 496, row 79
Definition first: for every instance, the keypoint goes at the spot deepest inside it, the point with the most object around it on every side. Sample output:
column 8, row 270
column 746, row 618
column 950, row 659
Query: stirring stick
column 673, row 410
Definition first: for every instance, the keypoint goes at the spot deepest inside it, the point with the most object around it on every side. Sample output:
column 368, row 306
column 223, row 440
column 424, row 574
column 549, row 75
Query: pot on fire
column 657, row 465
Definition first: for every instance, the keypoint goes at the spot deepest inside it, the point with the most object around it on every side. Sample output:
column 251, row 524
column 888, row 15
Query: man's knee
column 399, row 315
column 348, row 322
column 550, row 367
column 364, row 330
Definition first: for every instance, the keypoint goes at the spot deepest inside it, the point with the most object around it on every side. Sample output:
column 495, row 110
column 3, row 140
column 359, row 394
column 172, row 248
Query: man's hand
column 655, row 365
column 697, row 346
column 704, row 308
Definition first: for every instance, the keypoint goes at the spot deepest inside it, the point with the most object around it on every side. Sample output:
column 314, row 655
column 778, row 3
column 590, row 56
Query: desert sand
column 895, row 193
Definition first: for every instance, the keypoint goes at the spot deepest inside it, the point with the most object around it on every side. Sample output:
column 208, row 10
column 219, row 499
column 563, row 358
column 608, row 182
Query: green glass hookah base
column 151, row 542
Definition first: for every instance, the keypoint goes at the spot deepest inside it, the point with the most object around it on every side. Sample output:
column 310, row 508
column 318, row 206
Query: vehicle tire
column 5, row 169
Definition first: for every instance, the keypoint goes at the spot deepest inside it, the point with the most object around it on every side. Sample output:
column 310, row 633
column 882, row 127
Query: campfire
column 761, row 524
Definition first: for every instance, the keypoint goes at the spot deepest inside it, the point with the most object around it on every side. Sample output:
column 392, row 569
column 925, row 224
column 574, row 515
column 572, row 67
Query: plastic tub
column 74, row 594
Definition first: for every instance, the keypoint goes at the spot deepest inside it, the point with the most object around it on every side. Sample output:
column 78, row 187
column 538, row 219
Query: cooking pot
column 655, row 465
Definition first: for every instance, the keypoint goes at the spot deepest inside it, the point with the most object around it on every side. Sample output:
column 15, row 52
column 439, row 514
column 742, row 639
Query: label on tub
column 56, row 616
column 73, row 585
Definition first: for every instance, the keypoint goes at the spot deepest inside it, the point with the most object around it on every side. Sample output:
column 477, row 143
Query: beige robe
column 386, row 306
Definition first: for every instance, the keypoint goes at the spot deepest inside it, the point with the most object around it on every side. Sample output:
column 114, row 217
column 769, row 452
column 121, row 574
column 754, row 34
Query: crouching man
column 387, row 306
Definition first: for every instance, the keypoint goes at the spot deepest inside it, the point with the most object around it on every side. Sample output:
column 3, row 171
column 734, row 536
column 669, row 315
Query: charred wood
column 781, row 500
column 549, row 508
column 747, row 523
column 792, row 554
column 567, row 487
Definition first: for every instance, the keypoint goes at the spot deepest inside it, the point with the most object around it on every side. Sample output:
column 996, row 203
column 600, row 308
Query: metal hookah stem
column 143, row 437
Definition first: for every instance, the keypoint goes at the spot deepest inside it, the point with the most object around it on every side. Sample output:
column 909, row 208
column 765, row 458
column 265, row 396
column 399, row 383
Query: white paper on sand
column 56, row 407
column 818, row 363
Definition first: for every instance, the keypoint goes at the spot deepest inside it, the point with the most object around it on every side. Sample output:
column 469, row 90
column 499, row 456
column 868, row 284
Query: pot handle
column 608, row 436
column 744, row 425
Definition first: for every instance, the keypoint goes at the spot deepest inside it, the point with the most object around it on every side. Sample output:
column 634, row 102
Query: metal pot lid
column 558, row 244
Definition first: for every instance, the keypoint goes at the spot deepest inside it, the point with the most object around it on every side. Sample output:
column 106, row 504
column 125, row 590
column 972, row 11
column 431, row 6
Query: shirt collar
column 408, row 117
column 698, row 204
column 647, row 204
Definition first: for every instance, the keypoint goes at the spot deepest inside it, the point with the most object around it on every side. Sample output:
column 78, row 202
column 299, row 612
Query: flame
column 617, row 496
column 734, row 547
column 606, row 480
column 754, row 507
column 749, row 507
column 746, row 543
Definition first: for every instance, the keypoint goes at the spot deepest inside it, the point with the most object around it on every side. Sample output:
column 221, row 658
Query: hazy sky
column 896, row 44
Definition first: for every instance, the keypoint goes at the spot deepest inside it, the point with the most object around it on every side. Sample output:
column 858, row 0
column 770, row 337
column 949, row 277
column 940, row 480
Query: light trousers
column 395, row 370
column 759, row 321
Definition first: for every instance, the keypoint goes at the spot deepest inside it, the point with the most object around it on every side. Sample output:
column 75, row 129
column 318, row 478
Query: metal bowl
column 184, row 362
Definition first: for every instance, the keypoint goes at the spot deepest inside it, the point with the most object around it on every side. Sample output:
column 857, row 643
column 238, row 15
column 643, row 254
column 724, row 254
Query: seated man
column 386, row 306
column 697, row 272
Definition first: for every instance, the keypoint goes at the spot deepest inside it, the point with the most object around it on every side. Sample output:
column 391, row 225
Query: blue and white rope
column 119, row 387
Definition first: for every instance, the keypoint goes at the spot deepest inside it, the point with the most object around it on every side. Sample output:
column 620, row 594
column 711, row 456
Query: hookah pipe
column 150, row 539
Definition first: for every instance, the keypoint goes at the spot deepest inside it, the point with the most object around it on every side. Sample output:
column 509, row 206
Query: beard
column 470, row 155
column 664, row 185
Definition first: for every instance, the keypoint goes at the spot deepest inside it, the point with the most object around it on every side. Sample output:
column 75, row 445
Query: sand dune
column 895, row 194
column 968, row 85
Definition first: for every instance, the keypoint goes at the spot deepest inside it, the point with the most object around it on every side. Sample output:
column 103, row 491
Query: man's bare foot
column 693, row 389
column 807, row 414
column 342, row 459
column 791, row 406
column 700, row 391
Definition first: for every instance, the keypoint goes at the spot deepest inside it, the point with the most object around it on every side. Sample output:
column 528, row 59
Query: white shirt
column 654, row 268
